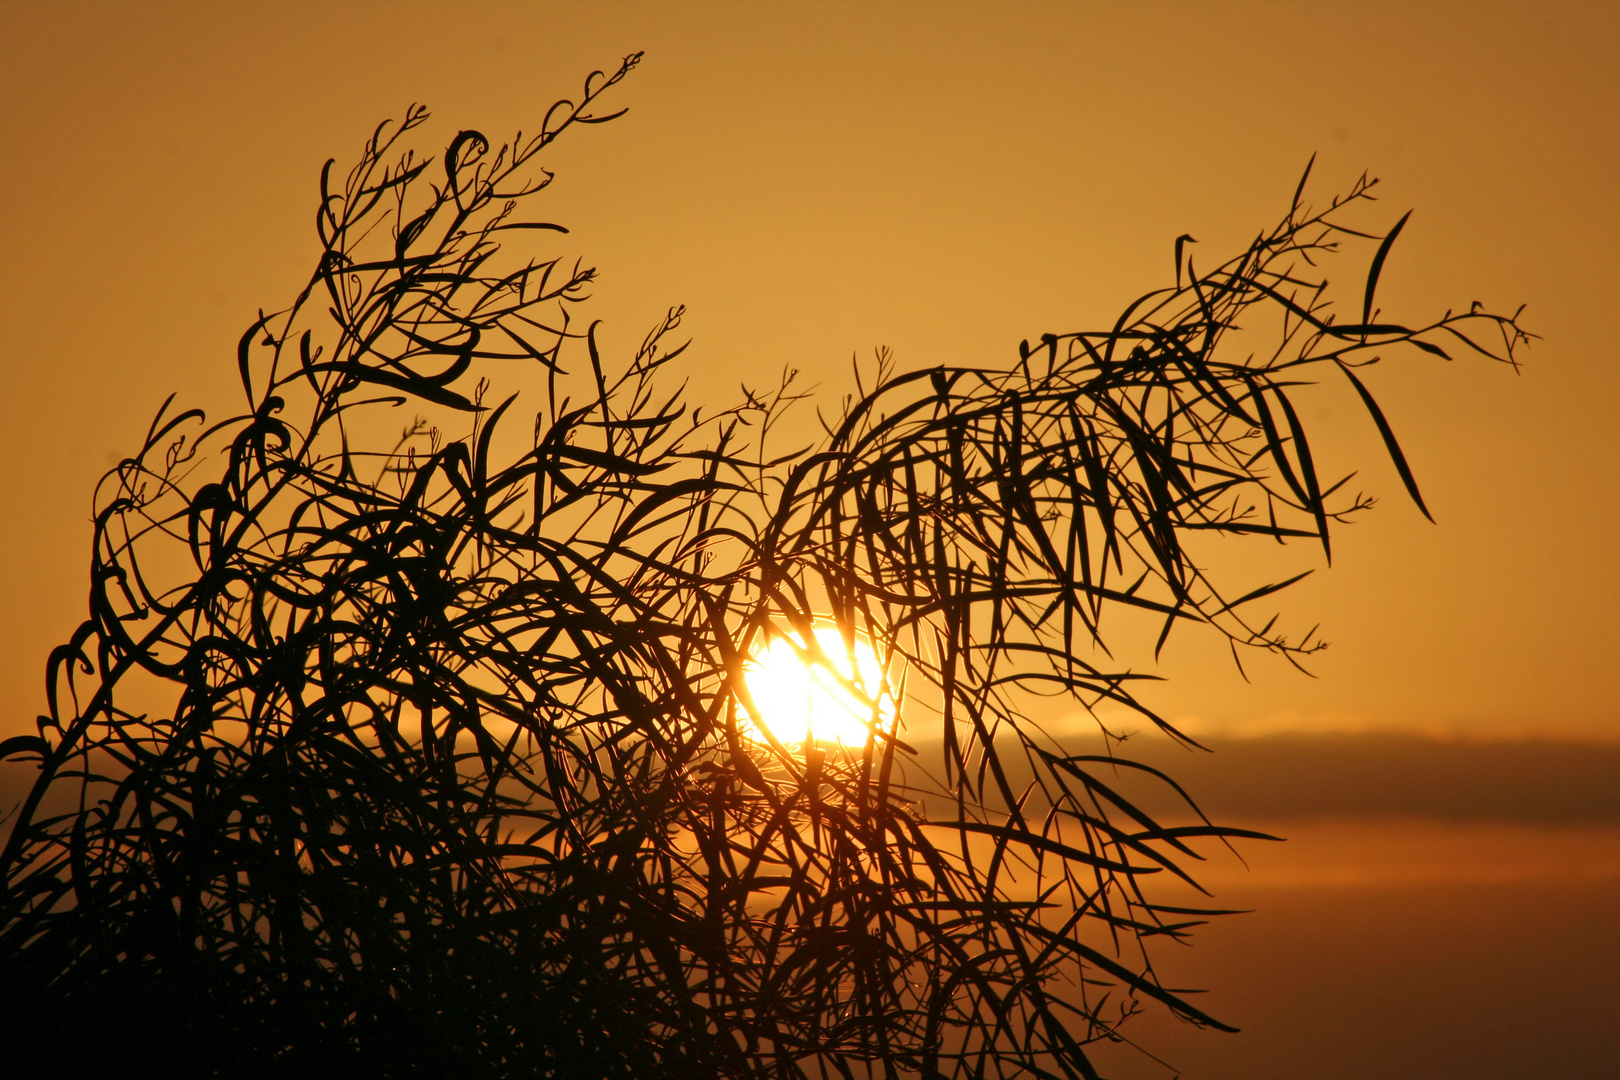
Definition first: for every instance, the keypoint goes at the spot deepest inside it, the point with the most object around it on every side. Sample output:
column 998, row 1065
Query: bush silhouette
column 439, row 756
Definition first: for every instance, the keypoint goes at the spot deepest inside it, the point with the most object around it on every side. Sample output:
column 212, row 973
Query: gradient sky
column 816, row 180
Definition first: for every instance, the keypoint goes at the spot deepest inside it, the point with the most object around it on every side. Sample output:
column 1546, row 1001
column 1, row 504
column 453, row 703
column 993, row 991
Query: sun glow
column 837, row 697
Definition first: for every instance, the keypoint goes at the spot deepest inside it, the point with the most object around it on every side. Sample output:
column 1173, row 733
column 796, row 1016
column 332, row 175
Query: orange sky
column 815, row 180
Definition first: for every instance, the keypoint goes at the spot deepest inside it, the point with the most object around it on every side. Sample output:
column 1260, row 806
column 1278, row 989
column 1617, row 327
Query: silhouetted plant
column 439, row 759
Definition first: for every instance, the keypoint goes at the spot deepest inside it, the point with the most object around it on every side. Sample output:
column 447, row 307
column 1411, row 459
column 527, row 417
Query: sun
column 837, row 697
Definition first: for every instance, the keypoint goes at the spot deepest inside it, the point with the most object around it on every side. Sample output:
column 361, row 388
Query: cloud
column 1381, row 774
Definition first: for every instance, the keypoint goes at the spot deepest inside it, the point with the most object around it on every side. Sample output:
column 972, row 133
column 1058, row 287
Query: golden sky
column 816, row 180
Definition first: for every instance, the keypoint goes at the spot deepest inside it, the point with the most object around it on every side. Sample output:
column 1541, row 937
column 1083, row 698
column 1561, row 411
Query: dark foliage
column 436, row 760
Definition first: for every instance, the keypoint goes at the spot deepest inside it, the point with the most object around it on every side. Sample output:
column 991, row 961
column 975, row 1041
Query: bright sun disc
column 835, row 701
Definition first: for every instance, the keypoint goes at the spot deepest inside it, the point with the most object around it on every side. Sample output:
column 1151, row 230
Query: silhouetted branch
column 437, row 757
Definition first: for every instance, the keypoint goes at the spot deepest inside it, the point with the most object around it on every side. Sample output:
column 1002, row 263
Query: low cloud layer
column 1379, row 774
column 1302, row 776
